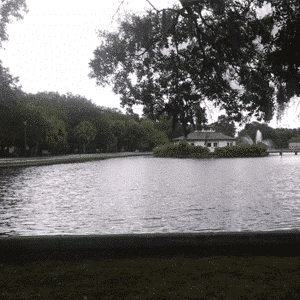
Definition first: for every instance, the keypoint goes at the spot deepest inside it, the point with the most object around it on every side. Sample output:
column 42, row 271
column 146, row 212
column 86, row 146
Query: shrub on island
column 185, row 150
column 255, row 150
column 182, row 150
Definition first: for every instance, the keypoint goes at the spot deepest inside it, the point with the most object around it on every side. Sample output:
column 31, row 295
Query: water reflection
column 147, row 194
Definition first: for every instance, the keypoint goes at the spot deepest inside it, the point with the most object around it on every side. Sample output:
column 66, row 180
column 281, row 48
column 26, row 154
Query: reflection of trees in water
column 7, row 175
column 12, row 182
column 8, row 178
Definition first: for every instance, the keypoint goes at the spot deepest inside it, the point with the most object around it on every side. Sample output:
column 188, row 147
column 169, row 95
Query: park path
column 23, row 161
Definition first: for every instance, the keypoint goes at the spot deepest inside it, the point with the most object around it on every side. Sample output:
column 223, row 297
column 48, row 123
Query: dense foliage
column 10, row 9
column 182, row 150
column 70, row 124
column 85, row 133
column 185, row 150
column 224, row 125
column 282, row 54
column 254, row 150
column 172, row 60
column 295, row 139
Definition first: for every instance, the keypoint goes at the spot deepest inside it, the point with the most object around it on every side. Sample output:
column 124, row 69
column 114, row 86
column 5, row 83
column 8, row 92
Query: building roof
column 205, row 135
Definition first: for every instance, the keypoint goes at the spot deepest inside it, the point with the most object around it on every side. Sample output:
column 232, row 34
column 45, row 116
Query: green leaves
column 10, row 9
column 56, row 137
column 254, row 150
column 282, row 53
column 85, row 131
column 181, row 150
column 174, row 57
column 224, row 125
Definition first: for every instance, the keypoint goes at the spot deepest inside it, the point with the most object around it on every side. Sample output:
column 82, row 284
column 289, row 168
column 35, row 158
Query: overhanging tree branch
column 190, row 50
column 152, row 5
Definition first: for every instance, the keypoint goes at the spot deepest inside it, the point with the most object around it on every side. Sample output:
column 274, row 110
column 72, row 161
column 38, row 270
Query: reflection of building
column 208, row 139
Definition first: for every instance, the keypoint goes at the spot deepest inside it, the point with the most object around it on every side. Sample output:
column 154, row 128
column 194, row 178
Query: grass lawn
column 173, row 278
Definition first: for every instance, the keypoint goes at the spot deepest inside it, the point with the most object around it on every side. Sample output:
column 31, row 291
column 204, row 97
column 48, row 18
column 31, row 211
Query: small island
column 209, row 144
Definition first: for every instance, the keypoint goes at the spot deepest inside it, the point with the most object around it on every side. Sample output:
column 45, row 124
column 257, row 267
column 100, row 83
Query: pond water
column 151, row 195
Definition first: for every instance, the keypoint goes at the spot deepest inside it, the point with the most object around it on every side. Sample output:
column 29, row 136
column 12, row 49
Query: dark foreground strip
column 24, row 249
column 261, row 265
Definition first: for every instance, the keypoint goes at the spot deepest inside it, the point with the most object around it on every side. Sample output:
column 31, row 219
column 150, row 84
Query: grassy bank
column 185, row 150
column 76, row 158
column 175, row 278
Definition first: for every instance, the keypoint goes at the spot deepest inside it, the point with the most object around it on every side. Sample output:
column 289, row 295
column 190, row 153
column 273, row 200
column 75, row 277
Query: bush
column 182, row 149
column 254, row 150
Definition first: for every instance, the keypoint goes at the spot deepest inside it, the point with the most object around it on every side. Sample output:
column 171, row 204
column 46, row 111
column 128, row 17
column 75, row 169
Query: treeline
column 31, row 124
column 47, row 122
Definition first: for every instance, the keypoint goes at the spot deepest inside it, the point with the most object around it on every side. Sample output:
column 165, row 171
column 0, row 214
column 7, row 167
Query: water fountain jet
column 258, row 138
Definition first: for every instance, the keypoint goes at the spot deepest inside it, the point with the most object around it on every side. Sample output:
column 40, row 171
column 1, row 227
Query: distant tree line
column 61, row 124
column 64, row 124
column 31, row 124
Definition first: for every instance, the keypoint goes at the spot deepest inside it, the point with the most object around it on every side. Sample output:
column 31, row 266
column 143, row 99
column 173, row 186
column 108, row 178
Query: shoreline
column 64, row 159
column 278, row 243
column 81, row 158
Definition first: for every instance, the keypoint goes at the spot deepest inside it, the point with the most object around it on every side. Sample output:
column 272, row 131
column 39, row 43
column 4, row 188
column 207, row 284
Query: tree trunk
column 36, row 148
column 2, row 151
column 184, row 126
column 6, row 151
column 31, row 151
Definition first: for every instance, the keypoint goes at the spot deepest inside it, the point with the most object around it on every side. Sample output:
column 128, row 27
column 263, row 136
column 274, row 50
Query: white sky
column 49, row 50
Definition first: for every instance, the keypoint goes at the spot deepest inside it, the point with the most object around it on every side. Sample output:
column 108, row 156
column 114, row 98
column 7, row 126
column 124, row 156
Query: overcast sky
column 49, row 50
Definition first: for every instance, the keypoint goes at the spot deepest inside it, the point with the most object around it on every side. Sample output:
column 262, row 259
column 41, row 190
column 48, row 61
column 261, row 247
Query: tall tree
column 224, row 125
column 171, row 59
column 10, row 114
column 41, row 129
column 200, row 117
column 104, row 139
column 86, row 133
column 282, row 51
column 150, row 137
column 9, row 91
column 119, row 132
column 56, row 135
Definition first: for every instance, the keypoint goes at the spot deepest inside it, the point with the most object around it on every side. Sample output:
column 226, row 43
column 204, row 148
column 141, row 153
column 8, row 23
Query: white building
column 208, row 138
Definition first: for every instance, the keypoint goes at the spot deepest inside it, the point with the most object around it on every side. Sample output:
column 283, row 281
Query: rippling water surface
column 148, row 195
